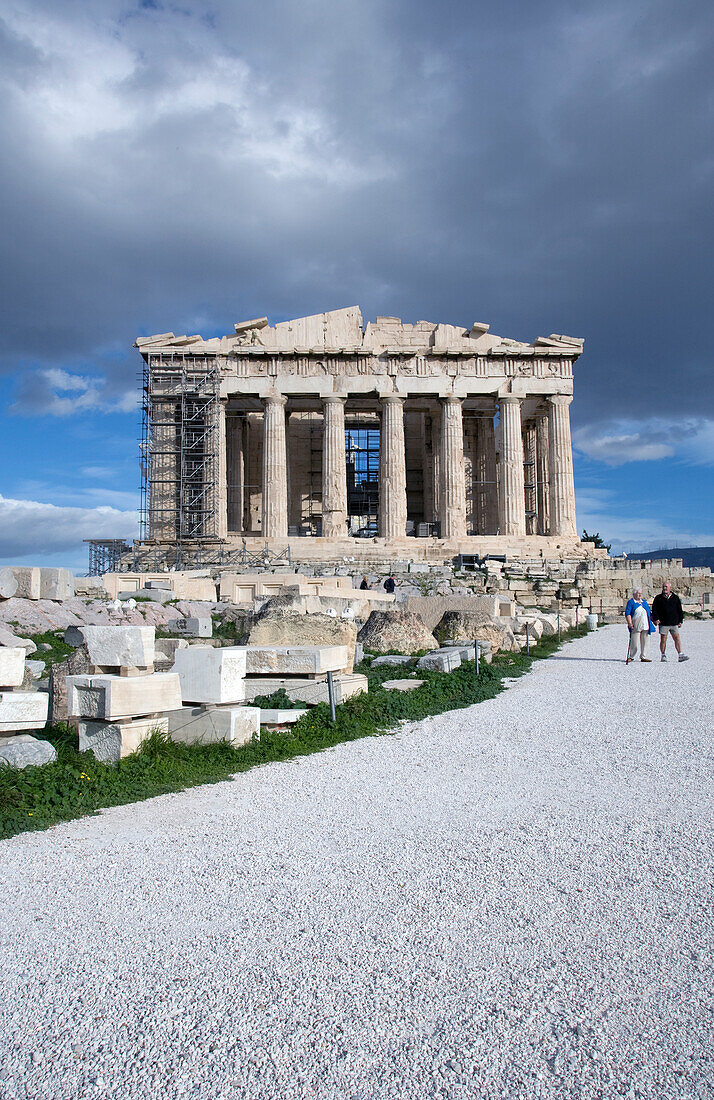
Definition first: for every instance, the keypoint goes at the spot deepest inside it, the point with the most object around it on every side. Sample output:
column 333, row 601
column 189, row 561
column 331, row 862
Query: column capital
column 334, row 398
column 560, row 398
column 392, row 397
column 510, row 399
column 451, row 399
column 275, row 399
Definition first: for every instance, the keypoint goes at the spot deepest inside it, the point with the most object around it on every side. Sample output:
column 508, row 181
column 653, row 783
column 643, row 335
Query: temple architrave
column 329, row 436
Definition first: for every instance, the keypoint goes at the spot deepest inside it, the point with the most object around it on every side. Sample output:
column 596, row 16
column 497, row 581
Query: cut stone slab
column 402, row 685
column 28, row 581
column 442, row 660
column 391, row 659
column 23, row 710
column 194, row 627
column 111, row 697
column 8, row 583
column 465, row 652
column 110, row 741
column 294, row 660
column 115, row 646
column 311, row 692
column 276, row 718
column 204, row 726
column 10, row 640
column 23, row 750
column 35, row 668
column 12, row 667
column 56, row 584
column 209, row 675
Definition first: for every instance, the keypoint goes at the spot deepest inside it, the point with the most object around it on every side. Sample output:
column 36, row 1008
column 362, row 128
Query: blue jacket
column 632, row 604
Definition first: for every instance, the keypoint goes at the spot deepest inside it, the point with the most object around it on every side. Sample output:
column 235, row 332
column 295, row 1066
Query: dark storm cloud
column 544, row 167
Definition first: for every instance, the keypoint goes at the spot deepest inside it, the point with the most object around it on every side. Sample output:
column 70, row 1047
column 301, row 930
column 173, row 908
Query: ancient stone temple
column 324, row 433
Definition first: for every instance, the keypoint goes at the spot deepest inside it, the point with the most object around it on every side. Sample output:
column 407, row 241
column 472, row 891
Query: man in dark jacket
column 667, row 614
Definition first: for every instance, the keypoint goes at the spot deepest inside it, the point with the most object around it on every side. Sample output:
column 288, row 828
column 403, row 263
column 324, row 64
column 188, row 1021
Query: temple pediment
column 343, row 330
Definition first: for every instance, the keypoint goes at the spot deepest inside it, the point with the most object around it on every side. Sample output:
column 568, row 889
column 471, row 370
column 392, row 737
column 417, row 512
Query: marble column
column 392, row 470
column 436, row 465
column 560, row 466
column 275, row 472
column 512, row 497
column 542, row 471
column 221, row 476
column 334, row 470
column 236, row 471
column 427, row 480
column 490, row 475
column 453, row 478
column 529, row 477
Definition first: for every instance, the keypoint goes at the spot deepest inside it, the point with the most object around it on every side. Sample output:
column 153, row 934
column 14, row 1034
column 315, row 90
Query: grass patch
column 77, row 784
column 58, row 651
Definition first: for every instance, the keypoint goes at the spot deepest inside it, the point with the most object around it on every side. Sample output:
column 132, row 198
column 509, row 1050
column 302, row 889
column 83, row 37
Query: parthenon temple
column 323, row 432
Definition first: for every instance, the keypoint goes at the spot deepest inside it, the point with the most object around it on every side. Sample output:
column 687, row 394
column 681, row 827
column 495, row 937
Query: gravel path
column 509, row 900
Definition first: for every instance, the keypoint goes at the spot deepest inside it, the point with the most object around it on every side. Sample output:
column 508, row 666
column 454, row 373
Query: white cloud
column 30, row 527
column 616, row 442
column 53, row 391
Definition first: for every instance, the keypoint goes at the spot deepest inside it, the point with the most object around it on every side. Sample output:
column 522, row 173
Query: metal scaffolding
column 180, row 447
column 105, row 555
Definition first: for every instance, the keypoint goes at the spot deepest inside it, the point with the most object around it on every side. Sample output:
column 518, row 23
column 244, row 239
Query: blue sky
column 545, row 168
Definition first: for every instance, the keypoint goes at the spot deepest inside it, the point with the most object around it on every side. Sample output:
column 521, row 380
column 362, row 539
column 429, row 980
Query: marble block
column 56, row 584
column 28, row 581
column 402, row 685
column 194, row 627
column 110, row 741
column 198, row 725
column 440, row 660
column 303, row 660
column 115, row 646
column 272, row 718
column 392, row 659
column 23, row 710
column 24, row 750
column 110, row 697
column 12, row 667
column 302, row 690
column 210, row 675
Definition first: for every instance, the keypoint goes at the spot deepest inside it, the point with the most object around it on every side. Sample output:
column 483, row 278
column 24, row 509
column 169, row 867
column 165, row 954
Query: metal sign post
column 476, row 654
column 528, row 640
column 331, row 693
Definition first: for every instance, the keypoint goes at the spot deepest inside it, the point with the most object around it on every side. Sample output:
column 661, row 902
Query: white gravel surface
column 509, row 900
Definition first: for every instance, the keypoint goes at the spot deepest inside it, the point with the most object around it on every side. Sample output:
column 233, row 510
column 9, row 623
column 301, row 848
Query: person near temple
column 389, row 584
column 365, row 584
column 639, row 622
column 667, row 614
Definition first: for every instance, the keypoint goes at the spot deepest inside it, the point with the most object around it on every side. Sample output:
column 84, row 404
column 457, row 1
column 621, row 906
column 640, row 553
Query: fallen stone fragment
column 7, row 638
column 8, row 584
column 23, row 750
column 442, row 660
column 206, row 725
column 111, row 741
column 402, row 685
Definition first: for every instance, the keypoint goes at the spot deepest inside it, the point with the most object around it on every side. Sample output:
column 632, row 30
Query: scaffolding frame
column 105, row 555
column 180, row 449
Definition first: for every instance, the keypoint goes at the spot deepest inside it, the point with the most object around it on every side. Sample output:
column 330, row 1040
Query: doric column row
column 542, row 502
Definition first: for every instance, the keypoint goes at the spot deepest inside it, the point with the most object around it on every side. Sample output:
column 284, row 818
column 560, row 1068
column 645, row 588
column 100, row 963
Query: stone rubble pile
column 21, row 711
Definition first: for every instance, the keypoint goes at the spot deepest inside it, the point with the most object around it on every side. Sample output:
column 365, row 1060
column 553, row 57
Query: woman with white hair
column 639, row 621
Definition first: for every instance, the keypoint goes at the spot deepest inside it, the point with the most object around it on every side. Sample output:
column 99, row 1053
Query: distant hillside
column 692, row 556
